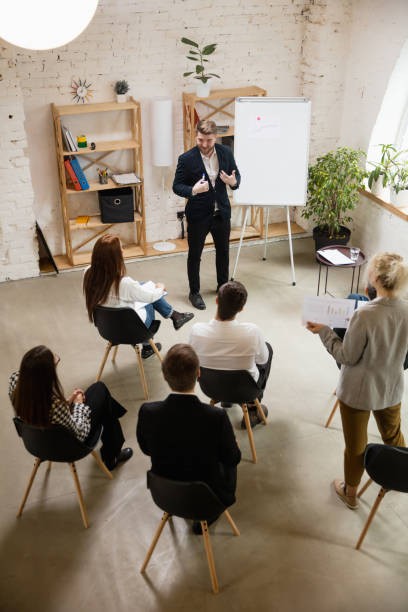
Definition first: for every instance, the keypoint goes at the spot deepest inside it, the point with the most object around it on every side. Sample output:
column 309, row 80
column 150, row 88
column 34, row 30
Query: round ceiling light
column 45, row 24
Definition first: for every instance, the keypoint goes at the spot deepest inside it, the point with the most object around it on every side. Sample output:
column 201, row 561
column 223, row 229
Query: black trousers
column 220, row 228
column 105, row 411
column 264, row 371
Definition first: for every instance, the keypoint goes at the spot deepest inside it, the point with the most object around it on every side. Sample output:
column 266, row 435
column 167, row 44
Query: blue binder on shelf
column 79, row 173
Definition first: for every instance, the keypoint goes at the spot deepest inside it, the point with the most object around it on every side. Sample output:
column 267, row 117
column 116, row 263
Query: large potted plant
column 199, row 56
column 332, row 193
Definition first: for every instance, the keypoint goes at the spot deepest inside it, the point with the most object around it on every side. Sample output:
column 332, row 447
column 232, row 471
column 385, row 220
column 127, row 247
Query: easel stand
column 266, row 240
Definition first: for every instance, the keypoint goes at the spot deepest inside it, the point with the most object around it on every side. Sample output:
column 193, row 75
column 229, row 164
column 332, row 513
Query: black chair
column 387, row 466
column 235, row 386
column 56, row 443
column 124, row 326
column 188, row 500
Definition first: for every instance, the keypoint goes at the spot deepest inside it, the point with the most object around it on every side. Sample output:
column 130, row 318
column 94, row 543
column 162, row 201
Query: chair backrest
column 235, row 386
column 121, row 325
column 55, row 443
column 189, row 500
column 387, row 466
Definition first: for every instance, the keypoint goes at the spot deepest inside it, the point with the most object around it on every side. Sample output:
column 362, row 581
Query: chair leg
column 231, row 522
column 371, row 516
column 212, row 402
column 30, row 482
column 250, row 434
column 157, row 535
column 115, row 352
column 49, row 466
column 101, row 464
column 79, row 494
column 329, row 420
column 141, row 369
column 156, row 350
column 210, row 558
column 364, row 487
column 260, row 411
column 108, row 348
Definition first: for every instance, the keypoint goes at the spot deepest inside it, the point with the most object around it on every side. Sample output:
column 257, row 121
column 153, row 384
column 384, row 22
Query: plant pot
column 381, row 192
column 121, row 98
column 203, row 89
column 401, row 199
column 323, row 238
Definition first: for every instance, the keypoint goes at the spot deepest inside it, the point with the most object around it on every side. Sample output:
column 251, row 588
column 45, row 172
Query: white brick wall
column 316, row 48
column 18, row 245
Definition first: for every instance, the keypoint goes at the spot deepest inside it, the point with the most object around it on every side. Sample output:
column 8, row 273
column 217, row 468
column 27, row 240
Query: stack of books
column 68, row 139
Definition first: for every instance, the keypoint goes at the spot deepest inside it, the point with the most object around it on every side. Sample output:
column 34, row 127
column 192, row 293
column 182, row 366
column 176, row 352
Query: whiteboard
column 271, row 148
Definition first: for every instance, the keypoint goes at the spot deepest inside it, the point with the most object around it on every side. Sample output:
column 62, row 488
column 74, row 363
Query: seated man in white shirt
column 226, row 344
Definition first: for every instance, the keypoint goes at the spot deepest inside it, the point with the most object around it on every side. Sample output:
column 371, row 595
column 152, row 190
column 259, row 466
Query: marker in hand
column 201, row 185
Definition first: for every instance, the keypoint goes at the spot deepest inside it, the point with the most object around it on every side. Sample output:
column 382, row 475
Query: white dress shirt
column 212, row 167
column 229, row 345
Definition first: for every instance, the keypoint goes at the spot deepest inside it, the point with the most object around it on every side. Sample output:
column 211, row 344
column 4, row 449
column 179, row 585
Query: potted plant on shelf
column 121, row 89
column 197, row 55
column 384, row 171
column 332, row 192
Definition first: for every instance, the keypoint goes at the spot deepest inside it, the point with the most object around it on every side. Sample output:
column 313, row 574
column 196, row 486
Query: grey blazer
column 372, row 354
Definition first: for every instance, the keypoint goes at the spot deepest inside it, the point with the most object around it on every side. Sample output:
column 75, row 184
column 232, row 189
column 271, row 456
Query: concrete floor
column 295, row 551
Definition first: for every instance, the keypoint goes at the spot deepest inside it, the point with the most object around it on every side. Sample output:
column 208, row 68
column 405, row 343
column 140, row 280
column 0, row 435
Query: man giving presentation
column 201, row 177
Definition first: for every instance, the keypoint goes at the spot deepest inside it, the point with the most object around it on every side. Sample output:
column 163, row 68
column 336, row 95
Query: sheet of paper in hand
column 334, row 312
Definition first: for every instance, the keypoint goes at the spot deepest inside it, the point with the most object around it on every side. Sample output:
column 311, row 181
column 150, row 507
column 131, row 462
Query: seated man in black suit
column 186, row 439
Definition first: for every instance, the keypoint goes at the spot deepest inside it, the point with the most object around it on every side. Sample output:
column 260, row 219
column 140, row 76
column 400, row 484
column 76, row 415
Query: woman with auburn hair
column 38, row 399
column 372, row 355
column 106, row 284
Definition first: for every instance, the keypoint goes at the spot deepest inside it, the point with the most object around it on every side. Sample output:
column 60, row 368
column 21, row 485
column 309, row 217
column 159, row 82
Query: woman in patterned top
column 38, row 399
column 106, row 284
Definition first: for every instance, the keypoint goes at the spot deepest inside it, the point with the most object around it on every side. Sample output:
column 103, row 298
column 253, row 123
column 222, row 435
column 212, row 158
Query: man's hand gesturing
column 228, row 179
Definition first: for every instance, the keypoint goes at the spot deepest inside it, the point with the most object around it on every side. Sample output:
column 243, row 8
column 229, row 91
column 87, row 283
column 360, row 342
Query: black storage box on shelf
column 116, row 205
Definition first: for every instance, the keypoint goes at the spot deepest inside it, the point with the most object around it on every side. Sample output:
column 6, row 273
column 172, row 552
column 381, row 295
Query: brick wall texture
column 289, row 47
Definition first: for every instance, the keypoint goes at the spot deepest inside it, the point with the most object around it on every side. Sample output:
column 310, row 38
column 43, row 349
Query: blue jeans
column 162, row 308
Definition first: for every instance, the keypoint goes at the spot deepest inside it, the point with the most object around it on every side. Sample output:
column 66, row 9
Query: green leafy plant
column 391, row 169
column 332, row 189
column 121, row 87
column 197, row 55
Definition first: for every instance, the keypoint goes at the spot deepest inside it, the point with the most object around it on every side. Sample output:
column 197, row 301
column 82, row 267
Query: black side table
column 345, row 250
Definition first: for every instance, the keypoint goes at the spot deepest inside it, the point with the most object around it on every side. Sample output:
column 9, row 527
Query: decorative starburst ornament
column 80, row 91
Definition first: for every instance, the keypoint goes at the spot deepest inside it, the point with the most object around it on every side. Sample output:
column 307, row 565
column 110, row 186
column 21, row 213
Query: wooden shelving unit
column 218, row 103
column 95, row 227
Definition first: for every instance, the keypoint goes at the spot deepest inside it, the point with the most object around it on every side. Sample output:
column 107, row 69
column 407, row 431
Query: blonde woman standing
column 371, row 378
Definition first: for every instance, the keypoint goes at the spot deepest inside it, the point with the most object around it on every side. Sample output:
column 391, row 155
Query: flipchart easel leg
column 290, row 246
column 240, row 242
column 266, row 232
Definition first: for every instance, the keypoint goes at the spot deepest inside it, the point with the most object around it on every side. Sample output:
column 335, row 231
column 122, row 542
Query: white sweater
column 130, row 292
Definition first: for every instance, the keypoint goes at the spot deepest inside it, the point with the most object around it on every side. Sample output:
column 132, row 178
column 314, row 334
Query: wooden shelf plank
column 217, row 94
column 98, row 107
column 95, row 221
column 112, row 145
column 96, row 186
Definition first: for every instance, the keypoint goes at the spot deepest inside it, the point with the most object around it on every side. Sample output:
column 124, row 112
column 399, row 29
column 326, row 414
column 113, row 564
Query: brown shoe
column 351, row 501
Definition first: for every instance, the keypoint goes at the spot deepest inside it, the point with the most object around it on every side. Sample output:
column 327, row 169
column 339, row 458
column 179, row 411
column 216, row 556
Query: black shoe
column 226, row 405
column 179, row 318
column 197, row 530
column 124, row 455
column 147, row 351
column 197, row 301
column 254, row 418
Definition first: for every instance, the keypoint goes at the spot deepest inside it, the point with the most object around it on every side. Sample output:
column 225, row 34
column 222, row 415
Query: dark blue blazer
column 188, row 440
column 190, row 169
